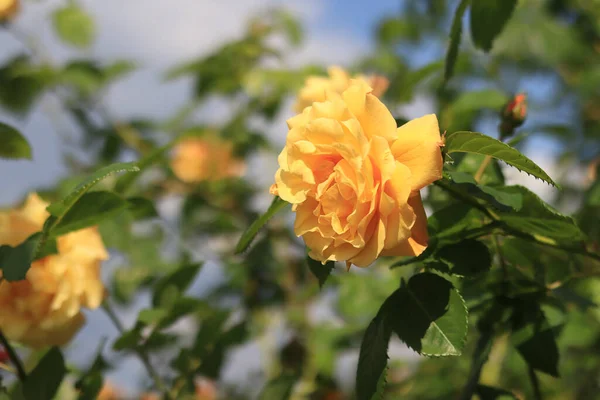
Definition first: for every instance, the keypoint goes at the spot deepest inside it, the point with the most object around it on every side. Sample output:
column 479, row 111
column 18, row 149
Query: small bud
column 3, row 355
column 513, row 114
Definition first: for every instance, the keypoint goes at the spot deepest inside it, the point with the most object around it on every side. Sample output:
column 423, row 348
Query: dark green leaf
column 125, row 181
column 536, row 342
column 174, row 284
column 16, row 261
column 74, row 26
column 453, row 219
column 473, row 142
column 372, row 360
column 89, row 210
column 497, row 197
column 491, row 393
column 141, row 208
column 429, row 315
column 467, row 258
column 22, row 83
column 43, row 382
column 129, row 340
column 277, row 205
column 455, row 37
column 279, row 388
column 488, row 18
column 14, row 144
column 320, row 271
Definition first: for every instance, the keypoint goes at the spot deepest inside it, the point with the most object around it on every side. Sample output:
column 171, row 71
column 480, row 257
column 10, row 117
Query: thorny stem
column 14, row 358
column 158, row 382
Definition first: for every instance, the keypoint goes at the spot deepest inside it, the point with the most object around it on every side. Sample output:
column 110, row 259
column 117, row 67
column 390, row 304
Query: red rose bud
column 514, row 114
column 3, row 355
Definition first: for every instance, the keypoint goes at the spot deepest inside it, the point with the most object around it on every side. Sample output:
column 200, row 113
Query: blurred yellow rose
column 205, row 158
column 315, row 87
column 45, row 308
column 353, row 177
column 8, row 8
column 109, row 392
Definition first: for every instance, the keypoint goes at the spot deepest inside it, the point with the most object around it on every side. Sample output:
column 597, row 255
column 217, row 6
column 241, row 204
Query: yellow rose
column 8, row 8
column 109, row 392
column 315, row 87
column 353, row 177
column 45, row 308
column 205, row 158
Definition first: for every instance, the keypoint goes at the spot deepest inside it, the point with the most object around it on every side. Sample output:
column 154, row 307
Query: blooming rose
column 205, row 158
column 353, row 177
column 316, row 86
column 45, row 307
column 8, row 8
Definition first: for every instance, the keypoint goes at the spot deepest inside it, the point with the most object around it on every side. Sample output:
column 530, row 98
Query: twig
column 482, row 167
column 14, row 358
column 158, row 382
column 535, row 383
column 482, row 351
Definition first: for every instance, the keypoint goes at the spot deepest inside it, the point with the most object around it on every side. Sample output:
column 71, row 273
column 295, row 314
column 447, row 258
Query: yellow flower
column 353, row 177
column 316, row 87
column 8, row 8
column 45, row 308
column 205, row 158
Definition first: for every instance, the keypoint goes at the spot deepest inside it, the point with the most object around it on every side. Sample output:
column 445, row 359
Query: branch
column 14, row 357
column 158, row 382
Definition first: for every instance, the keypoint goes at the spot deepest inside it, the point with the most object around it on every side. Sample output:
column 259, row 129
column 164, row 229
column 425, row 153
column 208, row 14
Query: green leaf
column 491, row 393
column 16, row 261
column 74, row 26
column 141, row 208
column 455, row 36
column 22, row 83
column 174, row 284
column 372, row 360
column 43, row 382
column 91, row 381
column 279, row 388
column 429, row 315
column 539, row 219
column 478, row 143
column 497, row 197
column 14, row 144
column 320, row 271
column 466, row 258
column 451, row 220
column 536, row 342
column 247, row 237
column 125, row 181
column 488, row 18
column 89, row 210
column 59, row 209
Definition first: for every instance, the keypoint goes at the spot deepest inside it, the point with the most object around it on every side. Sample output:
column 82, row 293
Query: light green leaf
column 59, row 209
column 538, row 218
column 125, row 181
column 14, row 144
column 488, row 18
column 74, row 26
column 455, row 37
column 478, row 143
column 429, row 315
column 176, row 283
column 45, row 379
column 277, row 205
